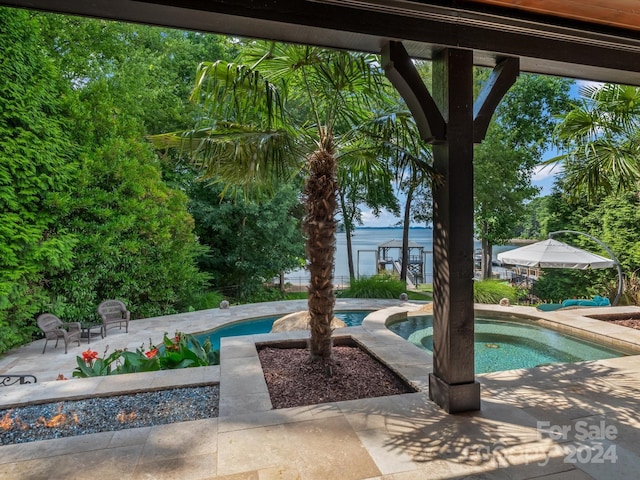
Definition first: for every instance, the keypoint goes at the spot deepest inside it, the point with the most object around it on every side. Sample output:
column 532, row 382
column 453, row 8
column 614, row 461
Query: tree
column 136, row 239
column 601, row 140
column 502, row 184
column 410, row 160
column 533, row 222
column 37, row 168
column 363, row 179
column 250, row 137
column 250, row 242
column 519, row 133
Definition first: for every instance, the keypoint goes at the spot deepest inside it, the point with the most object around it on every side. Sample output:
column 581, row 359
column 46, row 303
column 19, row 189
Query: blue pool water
column 263, row 325
column 509, row 344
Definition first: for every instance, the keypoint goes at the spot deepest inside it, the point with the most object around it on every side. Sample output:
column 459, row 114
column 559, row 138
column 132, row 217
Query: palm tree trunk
column 320, row 227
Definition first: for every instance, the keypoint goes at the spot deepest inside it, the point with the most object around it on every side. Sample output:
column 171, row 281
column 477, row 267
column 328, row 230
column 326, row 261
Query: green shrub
column 492, row 291
column 203, row 301
column 377, row 286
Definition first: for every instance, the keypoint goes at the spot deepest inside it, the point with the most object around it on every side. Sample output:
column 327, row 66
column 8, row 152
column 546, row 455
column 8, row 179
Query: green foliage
column 556, row 285
column 88, row 214
column 136, row 239
column 599, row 138
column 502, row 185
column 203, row 301
column 503, row 163
column 376, row 286
column 249, row 242
column 36, row 172
column 184, row 351
column 181, row 351
column 492, row 291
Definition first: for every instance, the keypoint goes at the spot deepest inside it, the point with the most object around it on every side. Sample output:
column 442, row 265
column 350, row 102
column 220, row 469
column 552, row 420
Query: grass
column 492, row 291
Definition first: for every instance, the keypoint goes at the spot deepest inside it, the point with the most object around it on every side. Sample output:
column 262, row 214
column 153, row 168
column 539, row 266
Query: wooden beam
column 499, row 82
column 400, row 70
column 578, row 51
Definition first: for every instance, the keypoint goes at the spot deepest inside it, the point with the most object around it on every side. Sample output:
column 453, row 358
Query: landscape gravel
column 101, row 414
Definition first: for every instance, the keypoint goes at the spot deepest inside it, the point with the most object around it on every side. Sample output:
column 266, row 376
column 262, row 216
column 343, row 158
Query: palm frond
column 237, row 92
column 241, row 155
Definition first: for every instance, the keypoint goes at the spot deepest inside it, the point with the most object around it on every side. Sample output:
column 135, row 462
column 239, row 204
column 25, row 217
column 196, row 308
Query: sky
column 543, row 178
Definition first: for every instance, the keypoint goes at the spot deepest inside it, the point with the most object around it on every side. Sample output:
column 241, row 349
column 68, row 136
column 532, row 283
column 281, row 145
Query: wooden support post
column 450, row 121
column 452, row 384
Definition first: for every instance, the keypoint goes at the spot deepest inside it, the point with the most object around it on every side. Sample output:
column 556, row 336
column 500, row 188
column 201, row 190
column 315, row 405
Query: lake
column 365, row 243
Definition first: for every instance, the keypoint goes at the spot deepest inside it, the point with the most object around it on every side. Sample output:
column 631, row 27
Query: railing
column 8, row 380
column 411, row 279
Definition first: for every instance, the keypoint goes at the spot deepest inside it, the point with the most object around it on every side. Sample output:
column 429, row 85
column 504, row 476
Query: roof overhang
column 545, row 44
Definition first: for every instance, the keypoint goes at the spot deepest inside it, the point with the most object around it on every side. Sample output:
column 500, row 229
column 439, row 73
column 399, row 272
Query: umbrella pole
column 613, row 257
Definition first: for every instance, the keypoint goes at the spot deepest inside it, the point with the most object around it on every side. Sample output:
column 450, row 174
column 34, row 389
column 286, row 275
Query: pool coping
column 242, row 385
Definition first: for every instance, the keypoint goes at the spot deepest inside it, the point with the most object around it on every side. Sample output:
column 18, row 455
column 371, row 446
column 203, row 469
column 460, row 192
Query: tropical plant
column 290, row 110
column 181, row 351
column 601, row 141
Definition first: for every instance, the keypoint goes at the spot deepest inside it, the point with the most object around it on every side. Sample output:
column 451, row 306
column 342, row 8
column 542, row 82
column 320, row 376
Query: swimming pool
column 509, row 344
column 264, row 324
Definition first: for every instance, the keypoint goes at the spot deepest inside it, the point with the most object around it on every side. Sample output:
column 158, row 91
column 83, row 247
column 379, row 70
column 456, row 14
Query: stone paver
column 514, row 435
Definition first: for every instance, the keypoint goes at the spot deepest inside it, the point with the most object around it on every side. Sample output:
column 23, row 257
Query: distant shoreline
column 521, row 241
column 388, row 228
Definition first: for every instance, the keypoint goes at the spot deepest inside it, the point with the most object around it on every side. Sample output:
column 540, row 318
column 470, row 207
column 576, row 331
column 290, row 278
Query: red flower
column 89, row 356
column 151, row 353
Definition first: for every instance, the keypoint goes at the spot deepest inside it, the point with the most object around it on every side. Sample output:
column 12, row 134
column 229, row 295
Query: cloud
column 384, row 220
column 545, row 171
column 580, row 84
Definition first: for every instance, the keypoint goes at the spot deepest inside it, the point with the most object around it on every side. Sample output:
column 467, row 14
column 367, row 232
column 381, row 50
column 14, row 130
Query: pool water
column 263, row 325
column 509, row 344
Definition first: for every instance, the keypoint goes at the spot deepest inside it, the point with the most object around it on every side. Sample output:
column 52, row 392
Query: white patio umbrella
column 551, row 253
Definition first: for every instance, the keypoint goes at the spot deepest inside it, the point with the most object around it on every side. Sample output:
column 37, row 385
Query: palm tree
column 288, row 111
column 601, row 137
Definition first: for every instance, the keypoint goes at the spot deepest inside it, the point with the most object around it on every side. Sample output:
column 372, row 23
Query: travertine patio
column 571, row 421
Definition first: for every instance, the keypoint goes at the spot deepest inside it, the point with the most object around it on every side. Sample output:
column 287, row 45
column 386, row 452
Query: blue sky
column 542, row 178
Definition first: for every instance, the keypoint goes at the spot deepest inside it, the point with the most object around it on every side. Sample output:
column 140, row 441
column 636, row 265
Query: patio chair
column 113, row 312
column 54, row 328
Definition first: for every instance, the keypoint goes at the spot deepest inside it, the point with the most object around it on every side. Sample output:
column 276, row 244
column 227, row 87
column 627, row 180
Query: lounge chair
column 113, row 312
column 571, row 303
column 54, row 328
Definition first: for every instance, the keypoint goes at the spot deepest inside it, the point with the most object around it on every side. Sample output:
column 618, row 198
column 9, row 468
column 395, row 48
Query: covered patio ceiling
column 585, row 39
